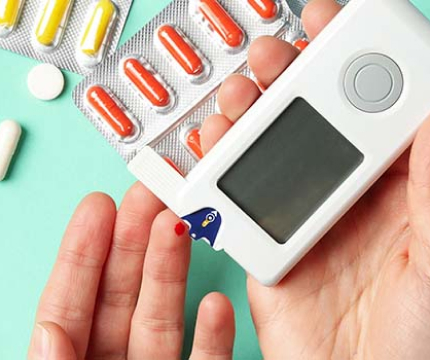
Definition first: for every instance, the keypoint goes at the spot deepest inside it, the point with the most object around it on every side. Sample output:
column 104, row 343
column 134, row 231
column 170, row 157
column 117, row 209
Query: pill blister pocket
column 75, row 35
column 174, row 133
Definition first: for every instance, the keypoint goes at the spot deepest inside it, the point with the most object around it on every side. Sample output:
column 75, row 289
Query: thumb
column 50, row 342
column 419, row 198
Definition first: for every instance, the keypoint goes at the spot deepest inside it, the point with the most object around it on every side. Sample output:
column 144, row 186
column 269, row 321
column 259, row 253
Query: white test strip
column 10, row 133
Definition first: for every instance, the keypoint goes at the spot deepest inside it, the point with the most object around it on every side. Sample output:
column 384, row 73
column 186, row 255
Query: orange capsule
column 301, row 44
column 146, row 83
column 267, row 9
column 193, row 143
column 173, row 165
column 108, row 109
column 180, row 50
column 222, row 23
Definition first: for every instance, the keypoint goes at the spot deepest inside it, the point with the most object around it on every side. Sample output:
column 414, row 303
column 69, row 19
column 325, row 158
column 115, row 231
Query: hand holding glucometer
column 311, row 145
column 361, row 293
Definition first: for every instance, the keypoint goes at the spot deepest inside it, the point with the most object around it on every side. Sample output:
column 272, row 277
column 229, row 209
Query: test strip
column 52, row 22
column 9, row 15
column 102, row 17
column 181, row 50
column 144, row 81
column 266, row 9
column 222, row 23
column 191, row 140
column 110, row 110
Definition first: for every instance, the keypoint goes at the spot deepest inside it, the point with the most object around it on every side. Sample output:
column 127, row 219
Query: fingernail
column 41, row 342
column 180, row 228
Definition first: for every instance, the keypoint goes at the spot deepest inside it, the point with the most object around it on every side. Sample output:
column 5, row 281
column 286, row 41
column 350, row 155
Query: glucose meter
column 311, row 146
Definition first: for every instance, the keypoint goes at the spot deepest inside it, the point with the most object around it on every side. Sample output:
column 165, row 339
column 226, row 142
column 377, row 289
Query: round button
column 373, row 83
column 364, row 83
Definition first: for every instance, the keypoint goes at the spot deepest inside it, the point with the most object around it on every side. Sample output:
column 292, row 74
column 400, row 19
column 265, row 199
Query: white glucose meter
column 309, row 148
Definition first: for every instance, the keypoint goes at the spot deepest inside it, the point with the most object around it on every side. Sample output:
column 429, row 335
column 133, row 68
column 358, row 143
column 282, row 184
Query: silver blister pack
column 166, row 131
column 75, row 35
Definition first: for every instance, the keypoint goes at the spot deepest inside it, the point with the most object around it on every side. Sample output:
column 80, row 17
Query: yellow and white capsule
column 51, row 24
column 93, row 42
column 10, row 12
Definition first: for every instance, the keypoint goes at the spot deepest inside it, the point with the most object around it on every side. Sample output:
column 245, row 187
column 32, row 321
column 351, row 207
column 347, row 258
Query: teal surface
column 423, row 6
column 61, row 159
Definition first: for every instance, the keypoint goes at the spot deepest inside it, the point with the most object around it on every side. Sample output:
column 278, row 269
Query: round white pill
column 10, row 132
column 45, row 82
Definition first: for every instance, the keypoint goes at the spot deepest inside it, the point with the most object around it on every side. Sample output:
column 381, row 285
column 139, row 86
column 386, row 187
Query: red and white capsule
column 181, row 51
column 173, row 164
column 267, row 10
column 190, row 138
column 301, row 44
column 147, row 83
column 108, row 108
column 220, row 24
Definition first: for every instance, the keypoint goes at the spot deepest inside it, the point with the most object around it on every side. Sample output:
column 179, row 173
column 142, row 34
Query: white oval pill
column 45, row 82
column 10, row 132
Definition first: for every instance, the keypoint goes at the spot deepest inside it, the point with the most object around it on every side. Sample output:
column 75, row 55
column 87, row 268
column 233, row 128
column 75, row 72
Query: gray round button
column 373, row 83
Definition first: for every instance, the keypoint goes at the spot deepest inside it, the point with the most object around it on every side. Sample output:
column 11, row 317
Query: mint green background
column 61, row 159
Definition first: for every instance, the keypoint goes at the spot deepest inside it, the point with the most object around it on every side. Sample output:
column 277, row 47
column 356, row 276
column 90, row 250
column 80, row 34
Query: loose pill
column 9, row 14
column 52, row 22
column 145, row 82
column 45, row 82
column 110, row 110
column 193, row 143
column 222, row 23
column 180, row 50
column 10, row 132
column 97, row 30
column 267, row 9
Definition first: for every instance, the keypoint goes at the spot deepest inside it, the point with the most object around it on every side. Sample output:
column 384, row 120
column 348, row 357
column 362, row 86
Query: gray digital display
column 288, row 173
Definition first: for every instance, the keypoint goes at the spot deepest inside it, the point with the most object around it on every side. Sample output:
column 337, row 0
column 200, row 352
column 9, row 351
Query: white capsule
column 10, row 132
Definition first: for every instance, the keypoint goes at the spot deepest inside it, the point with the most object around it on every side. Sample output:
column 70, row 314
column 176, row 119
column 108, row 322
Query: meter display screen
column 288, row 173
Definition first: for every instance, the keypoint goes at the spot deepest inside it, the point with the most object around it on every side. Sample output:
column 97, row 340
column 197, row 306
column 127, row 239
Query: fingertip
column 236, row 95
column 213, row 129
column 141, row 200
column 269, row 56
column 215, row 329
column 216, row 312
column 104, row 204
column 165, row 227
column 317, row 14
column 51, row 342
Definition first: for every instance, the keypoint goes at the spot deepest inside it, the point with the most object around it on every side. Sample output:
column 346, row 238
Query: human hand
column 117, row 289
column 364, row 291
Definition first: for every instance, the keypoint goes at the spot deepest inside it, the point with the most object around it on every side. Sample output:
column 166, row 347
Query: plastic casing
column 391, row 27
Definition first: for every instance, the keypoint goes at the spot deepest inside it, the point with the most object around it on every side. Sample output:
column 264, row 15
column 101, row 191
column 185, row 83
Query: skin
column 117, row 288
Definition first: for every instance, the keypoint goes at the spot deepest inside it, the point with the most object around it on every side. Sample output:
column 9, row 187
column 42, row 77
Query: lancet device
column 312, row 145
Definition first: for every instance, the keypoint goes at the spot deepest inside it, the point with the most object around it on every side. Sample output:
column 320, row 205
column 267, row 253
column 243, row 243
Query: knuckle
column 80, row 259
column 162, row 270
column 66, row 311
column 119, row 299
column 160, row 325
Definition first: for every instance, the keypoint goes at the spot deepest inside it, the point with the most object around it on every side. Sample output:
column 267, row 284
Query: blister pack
column 159, row 87
column 75, row 35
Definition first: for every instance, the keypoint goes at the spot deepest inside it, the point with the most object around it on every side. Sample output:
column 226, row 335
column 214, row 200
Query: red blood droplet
column 180, row 228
